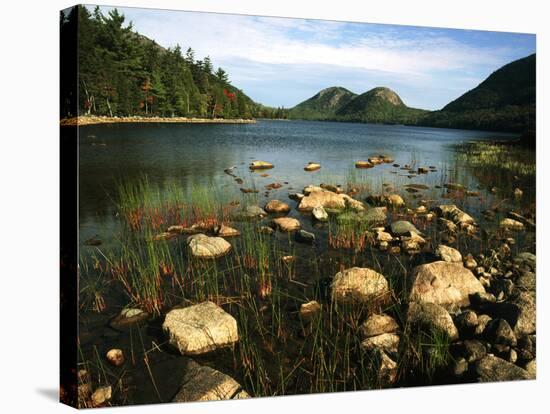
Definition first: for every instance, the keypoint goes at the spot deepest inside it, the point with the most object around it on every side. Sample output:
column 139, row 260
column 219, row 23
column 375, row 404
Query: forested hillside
column 505, row 101
column 122, row 73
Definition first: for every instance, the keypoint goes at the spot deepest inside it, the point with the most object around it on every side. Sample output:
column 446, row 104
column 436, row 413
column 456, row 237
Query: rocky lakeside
column 93, row 120
column 460, row 315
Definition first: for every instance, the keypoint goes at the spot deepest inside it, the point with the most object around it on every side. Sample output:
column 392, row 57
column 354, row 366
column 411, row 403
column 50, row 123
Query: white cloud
column 294, row 41
column 285, row 49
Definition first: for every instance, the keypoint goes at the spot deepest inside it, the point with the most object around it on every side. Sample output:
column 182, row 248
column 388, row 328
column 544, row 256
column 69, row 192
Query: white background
column 29, row 206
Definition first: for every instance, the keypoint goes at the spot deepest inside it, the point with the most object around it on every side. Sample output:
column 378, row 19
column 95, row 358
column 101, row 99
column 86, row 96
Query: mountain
column 323, row 105
column 505, row 101
column 379, row 105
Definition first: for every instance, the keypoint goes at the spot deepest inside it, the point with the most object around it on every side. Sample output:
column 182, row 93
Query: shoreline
column 93, row 120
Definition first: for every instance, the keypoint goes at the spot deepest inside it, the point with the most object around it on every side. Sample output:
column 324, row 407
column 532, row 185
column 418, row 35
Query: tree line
column 122, row 73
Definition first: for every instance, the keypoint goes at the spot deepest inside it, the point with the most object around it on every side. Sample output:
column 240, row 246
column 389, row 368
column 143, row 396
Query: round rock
column 205, row 247
column 359, row 284
column 277, row 206
column 201, row 328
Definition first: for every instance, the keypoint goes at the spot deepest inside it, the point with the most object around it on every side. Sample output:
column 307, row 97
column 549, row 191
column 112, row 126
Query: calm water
column 199, row 154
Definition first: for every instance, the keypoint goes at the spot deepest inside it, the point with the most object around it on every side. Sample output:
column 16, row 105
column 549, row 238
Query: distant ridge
column 379, row 105
column 323, row 105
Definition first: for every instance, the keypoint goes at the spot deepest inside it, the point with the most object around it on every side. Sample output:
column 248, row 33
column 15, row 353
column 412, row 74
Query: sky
column 282, row 61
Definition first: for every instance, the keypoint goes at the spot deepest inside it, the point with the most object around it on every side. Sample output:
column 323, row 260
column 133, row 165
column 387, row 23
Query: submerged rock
column 402, row 227
column 202, row 383
column 199, row 329
column 226, row 231
column 491, row 368
column 205, row 247
column 447, row 284
column 361, row 285
column 312, row 166
column 432, row 318
column 364, row 164
column 303, row 236
column 286, row 224
column 249, row 213
column 260, row 165
column 127, row 317
column 276, row 206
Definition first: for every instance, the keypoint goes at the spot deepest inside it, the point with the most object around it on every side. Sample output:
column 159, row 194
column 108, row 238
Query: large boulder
column 321, row 198
column 430, row 317
column 202, row 383
column 447, row 284
column 359, row 284
column 205, row 247
column 201, row 328
column 491, row 368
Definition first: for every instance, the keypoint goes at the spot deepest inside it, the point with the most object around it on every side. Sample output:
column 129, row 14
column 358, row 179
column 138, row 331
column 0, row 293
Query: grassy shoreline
column 93, row 120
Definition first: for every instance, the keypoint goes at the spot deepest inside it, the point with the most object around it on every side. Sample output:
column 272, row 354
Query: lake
column 137, row 180
column 198, row 154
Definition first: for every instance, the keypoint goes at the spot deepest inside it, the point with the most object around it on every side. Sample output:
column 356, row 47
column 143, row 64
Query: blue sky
column 281, row 62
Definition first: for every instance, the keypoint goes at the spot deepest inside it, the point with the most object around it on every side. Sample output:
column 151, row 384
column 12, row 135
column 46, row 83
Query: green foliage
column 122, row 73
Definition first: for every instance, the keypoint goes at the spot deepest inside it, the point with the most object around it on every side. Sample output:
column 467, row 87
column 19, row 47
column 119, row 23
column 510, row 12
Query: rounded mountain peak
column 386, row 94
